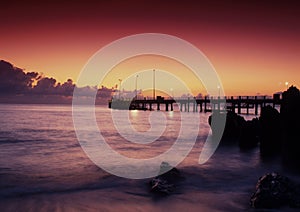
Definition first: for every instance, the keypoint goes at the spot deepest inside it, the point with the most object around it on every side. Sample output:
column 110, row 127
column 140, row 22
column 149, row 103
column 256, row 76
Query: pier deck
column 202, row 105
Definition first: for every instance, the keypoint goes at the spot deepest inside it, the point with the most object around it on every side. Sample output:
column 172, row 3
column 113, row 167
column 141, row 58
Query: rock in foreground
column 273, row 191
column 161, row 186
column 165, row 182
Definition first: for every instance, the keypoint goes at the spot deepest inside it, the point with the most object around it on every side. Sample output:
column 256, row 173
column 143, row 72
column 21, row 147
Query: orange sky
column 170, row 76
column 254, row 47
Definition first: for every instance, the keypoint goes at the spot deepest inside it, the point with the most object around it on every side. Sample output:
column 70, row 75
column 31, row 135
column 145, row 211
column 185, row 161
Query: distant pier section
column 238, row 104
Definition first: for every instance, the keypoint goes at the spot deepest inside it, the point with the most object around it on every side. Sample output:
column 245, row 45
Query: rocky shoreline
column 276, row 134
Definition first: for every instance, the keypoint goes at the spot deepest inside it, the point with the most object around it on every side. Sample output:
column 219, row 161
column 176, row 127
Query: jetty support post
column 205, row 104
column 247, row 103
column 256, row 106
column 239, row 104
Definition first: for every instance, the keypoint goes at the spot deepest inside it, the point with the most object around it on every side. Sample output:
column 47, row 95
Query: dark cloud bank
column 16, row 86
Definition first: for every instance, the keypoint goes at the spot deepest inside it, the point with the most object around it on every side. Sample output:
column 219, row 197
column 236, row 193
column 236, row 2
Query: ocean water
column 44, row 168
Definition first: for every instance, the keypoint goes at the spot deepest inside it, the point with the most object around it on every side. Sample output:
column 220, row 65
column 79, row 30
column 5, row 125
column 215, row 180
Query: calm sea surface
column 43, row 167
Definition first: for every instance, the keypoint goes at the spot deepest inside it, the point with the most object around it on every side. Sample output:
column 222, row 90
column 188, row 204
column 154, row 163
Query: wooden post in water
column 219, row 106
column 256, row 105
column 167, row 107
column 188, row 104
column 247, row 105
column 150, row 106
column 239, row 105
column 205, row 106
column 171, row 106
column 232, row 105
column 194, row 108
column 158, row 106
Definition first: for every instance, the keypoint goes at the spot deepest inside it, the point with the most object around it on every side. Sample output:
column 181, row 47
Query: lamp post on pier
column 120, row 80
column 136, row 92
column 153, row 84
column 287, row 85
column 219, row 90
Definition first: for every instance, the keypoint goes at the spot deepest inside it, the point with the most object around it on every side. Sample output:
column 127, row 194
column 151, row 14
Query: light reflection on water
column 40, row 139
column 39, row 152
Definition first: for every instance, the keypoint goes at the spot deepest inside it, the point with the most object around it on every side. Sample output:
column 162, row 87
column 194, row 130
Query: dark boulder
column 273, row 191
column 232, row 129
column 237, row 130
column 166, row 182
column 250, row 131
column 290, row 124
column 161, row 186
column 270, row 139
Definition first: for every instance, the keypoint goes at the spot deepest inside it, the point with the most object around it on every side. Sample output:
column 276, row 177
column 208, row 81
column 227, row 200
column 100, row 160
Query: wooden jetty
column 206, row 104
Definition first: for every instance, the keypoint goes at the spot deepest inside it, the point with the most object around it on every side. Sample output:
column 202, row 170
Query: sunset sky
column 253, row 45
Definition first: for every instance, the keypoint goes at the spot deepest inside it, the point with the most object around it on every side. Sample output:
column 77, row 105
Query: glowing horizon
column 250, row 53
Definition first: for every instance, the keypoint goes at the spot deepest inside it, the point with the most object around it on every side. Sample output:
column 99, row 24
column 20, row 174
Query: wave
column 15, row 141
column 51, row 187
